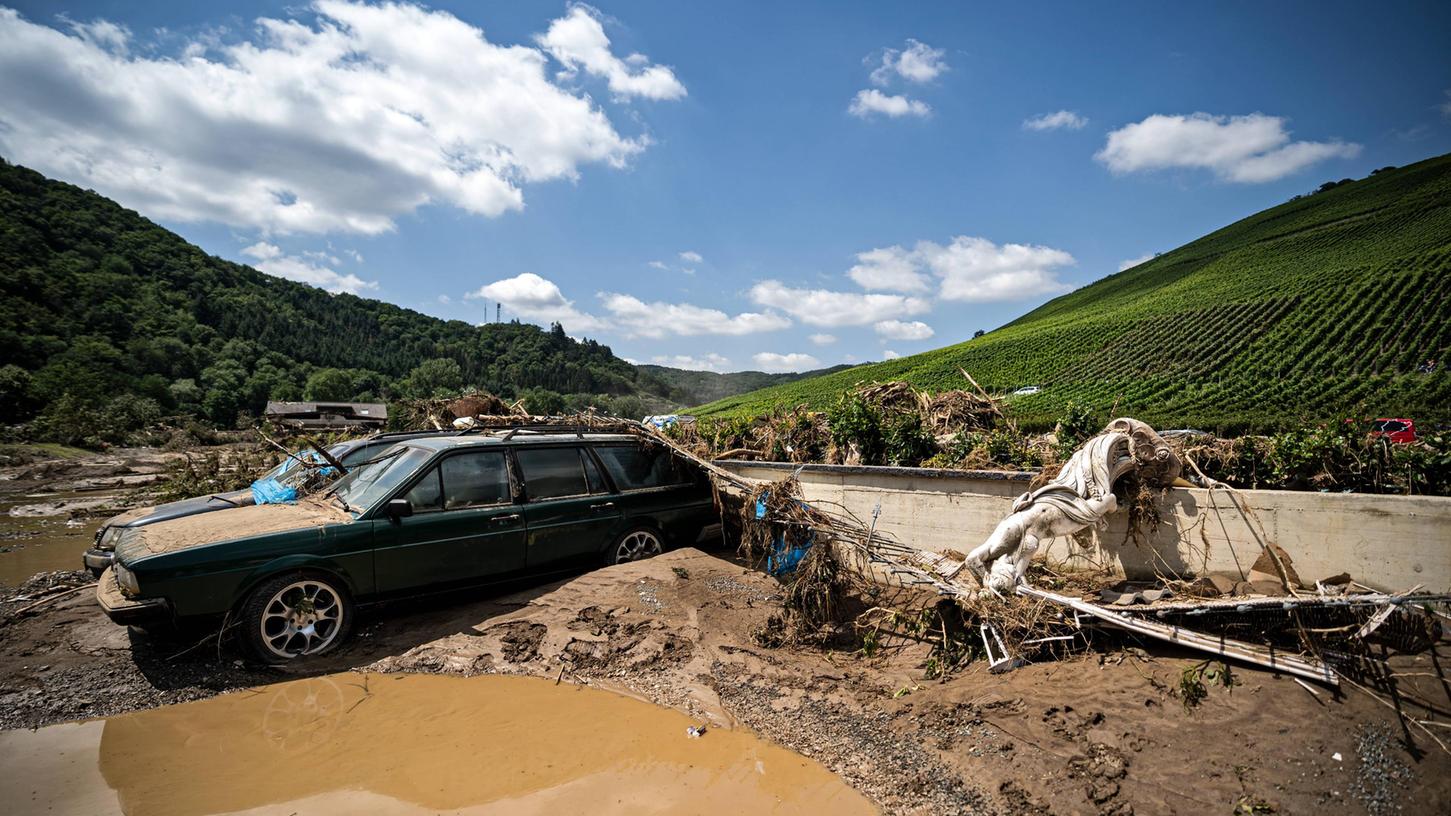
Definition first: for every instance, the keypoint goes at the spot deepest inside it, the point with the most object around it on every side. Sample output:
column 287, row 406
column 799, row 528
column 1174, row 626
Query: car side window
column 551, row 473
column 635, row 467
column 426, row 495
column 475, row 480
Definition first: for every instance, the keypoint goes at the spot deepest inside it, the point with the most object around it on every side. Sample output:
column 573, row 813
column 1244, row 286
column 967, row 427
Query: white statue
column 1081, row 495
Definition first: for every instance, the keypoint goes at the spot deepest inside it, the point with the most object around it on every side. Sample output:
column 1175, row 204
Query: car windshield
column 369, row 484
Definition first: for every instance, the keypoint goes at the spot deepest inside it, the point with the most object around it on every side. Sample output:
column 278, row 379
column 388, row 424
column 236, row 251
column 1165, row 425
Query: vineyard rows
column 1329, row 306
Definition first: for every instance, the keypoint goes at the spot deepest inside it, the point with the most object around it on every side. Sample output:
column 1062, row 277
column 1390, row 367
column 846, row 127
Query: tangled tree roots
column 774, row 521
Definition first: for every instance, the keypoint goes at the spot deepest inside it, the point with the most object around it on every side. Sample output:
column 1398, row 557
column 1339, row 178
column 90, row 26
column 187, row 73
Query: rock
column 1264, row 569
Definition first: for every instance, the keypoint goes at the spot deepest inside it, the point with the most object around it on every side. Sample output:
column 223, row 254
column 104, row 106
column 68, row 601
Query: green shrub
column 856, row 422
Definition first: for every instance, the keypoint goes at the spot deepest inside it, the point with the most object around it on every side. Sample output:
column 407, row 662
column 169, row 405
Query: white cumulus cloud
column 822, row 307
column 967, row 268
column 708, row 362
column 980, row 271
column 902, row 330
column 636, row 318
column 1058, row 120
column 890, row 355
column 271, row 259
column 796, row 361
column 539, row 299
column 823, row 339
column 892, row 269
column 918, row 62
column 579, row 42
column 534, row 298
column 691, row 257
column 1245, row 149
column 341, row 121
column 870, row 101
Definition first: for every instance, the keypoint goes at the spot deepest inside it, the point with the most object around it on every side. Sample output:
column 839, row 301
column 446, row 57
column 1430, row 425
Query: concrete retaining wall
column 1390, row 542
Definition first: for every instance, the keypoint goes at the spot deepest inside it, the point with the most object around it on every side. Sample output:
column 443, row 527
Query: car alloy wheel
column 301, row 618
column 637, row 545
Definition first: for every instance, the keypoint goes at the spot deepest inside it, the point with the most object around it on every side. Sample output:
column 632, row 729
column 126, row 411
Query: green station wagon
column 427, row 514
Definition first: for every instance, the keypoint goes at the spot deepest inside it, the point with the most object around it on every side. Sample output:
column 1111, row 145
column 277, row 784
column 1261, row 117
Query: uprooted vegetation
column 895, row 424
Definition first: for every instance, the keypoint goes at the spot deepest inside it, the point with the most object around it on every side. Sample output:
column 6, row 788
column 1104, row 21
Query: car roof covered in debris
column 503, row 437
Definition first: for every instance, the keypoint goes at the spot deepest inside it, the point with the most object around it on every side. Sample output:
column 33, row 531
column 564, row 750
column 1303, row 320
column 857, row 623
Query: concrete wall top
column 1388, row 541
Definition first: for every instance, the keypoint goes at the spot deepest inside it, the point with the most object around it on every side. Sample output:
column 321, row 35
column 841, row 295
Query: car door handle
column 501, row 519
column 602, row 506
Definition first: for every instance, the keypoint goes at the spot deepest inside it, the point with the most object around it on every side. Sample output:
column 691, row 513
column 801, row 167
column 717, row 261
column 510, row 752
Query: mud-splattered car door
column 571, row 515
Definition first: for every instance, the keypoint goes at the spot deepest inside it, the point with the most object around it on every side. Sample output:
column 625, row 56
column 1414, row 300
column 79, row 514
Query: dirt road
column 1100, row 733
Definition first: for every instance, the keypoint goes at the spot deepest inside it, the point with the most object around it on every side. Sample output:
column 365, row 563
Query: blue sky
column 857, row 180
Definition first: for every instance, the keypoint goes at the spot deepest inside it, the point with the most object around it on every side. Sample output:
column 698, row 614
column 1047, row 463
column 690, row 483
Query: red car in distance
column 1398, row 431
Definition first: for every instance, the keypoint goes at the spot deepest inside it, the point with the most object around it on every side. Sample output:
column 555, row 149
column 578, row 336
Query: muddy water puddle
column 41, row 543
column 409, row 744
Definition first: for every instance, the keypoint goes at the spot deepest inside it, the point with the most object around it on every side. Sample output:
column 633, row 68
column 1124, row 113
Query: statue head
column 1156, row 461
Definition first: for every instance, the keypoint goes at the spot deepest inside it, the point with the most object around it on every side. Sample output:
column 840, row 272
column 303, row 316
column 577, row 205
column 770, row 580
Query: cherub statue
column 1081, row 495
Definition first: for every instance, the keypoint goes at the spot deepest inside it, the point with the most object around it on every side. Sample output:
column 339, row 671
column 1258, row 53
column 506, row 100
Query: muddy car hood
column 142, row 516
column 210, row 528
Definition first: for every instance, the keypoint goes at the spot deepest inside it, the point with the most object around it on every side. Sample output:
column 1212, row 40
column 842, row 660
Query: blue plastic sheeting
column 782, row 562
column 271, row 491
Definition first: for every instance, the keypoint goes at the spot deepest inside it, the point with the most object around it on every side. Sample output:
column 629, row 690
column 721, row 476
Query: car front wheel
column 296, row 616
column 635, row 545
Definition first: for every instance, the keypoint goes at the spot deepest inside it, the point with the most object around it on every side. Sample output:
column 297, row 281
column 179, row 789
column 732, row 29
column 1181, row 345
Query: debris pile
column 439, row 413
column 1332, row 632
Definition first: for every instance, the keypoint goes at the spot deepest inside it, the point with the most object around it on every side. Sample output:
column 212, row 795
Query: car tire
column 295, row 616
column 635, row 544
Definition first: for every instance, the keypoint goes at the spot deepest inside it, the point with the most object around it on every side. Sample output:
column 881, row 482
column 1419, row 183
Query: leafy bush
column 907, row 442
column 857, row 424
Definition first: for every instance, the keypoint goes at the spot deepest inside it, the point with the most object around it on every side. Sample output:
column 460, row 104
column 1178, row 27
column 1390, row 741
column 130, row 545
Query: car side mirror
column 399, row 508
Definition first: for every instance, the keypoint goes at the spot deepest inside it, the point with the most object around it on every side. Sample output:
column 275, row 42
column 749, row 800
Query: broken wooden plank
column 1308, row 668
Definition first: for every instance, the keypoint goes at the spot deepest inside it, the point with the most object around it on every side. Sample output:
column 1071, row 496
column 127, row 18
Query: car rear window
column 634, row 467
column 552, row 472
column 362, row 453
column 475, row 480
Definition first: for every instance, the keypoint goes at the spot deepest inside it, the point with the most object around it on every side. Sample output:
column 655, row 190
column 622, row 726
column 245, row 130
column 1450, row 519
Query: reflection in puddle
column 410, row 744
column 32, row 544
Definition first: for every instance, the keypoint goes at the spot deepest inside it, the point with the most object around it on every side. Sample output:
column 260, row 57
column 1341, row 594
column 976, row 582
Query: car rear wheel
column 635, row 545
column 296, row 616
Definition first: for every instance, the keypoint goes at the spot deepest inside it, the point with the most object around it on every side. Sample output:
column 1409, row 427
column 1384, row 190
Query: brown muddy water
column 409, row 744
column 41, row 543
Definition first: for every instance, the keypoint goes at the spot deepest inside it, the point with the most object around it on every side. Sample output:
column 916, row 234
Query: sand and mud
column 1098, row 733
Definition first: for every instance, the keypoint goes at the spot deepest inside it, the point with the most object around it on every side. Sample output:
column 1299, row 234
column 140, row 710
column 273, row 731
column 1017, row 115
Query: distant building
column 328, row 414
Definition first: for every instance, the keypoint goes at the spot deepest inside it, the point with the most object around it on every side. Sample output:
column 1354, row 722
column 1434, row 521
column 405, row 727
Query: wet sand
column 410, row 744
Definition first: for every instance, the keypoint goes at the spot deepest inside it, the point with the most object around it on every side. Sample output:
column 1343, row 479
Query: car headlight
column 126, row 579
column 107, row 540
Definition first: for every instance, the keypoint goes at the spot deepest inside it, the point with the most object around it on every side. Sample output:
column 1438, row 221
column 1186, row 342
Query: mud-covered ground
column 1097, row 733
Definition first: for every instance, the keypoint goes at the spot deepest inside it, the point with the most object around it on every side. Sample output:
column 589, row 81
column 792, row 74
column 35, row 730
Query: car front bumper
column 129, row 611
column 97, row 560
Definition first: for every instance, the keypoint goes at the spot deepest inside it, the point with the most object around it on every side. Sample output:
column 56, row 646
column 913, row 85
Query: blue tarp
column 782, row 561
column 271, row 491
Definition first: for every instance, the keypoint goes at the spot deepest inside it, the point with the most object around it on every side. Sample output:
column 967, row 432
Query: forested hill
column 1335, row 304
column 96, row 302
column 696, row 387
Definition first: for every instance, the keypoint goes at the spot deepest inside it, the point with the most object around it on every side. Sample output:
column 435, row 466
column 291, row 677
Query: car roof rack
column 548, row 428
column 391, row 434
